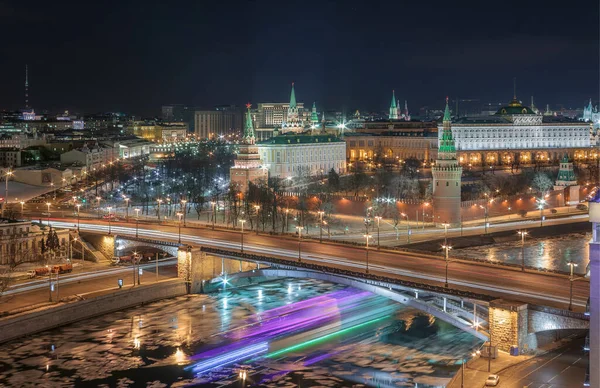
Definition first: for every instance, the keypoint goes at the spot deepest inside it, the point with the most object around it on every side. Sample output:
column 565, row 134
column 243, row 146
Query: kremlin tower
column 446, row 177
column 393, row 107
column 247, row 167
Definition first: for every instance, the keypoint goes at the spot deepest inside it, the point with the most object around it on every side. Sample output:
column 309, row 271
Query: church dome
column 515, row 108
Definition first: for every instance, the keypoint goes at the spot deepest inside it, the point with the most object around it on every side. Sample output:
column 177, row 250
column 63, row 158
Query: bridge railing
column 278, row 262
column 560, row 312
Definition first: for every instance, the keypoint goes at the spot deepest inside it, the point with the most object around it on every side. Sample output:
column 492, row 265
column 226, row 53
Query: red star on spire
column 248, row 105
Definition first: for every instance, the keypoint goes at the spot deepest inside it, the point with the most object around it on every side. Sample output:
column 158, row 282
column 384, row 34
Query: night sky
column 134, row 56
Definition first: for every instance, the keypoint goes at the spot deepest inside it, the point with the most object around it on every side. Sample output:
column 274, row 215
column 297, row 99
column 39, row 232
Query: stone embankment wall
column 63, row 314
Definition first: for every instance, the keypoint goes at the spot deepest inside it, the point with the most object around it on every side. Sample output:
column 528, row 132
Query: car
column 492, row 381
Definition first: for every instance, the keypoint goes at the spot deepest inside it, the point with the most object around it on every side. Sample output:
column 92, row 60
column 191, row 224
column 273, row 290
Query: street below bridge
column 500, row 282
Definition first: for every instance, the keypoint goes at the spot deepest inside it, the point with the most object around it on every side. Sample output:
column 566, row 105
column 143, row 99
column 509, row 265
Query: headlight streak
column 326, row 337
column 230, row 357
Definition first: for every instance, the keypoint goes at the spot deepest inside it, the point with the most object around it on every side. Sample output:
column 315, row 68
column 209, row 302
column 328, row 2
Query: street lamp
column 78, row 207
column 378, row 218
column 98, row 199
column 522, row 233
column 299, row 228
column 127, row 209
column 242, row 234
column 214, row 214
column 571, row 279
column 445, row 225
column 367, row 236
column 158, row 201
column 541, row 202
column 179, row 215
column 425, row 204
column 446, row 249
column 6, row 178
column 257, row 208
column 485, row 209
column 408, row 226
column 22, row 203
column 48, row 204
column 137, row 220
column 321, row 212
column 109, row 209
column 184, row 202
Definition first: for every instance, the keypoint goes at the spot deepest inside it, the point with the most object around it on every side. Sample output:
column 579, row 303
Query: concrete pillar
column 445, row 303
column 507, row 324
column 595, row 293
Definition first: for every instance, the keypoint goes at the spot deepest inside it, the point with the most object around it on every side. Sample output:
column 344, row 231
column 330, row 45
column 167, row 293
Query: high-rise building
column 247, row 167
column 217, row 122
column 446, row 177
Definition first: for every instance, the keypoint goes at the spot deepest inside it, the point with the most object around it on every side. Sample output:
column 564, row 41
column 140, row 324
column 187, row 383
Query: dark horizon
column 135, row 57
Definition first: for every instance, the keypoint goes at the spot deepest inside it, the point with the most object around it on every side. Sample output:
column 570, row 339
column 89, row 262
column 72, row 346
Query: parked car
column 492, row 381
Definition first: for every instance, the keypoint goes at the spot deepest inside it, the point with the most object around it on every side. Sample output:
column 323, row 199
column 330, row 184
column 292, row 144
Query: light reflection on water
column 314, row 333
column 549, row 253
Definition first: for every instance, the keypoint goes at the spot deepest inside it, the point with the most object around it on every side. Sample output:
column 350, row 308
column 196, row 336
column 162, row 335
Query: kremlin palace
column 514, row 134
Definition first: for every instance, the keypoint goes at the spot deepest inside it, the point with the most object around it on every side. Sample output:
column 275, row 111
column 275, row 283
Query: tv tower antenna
column 26, row 87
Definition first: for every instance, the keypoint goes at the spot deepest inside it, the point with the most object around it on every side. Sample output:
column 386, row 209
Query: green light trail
column 323, row 338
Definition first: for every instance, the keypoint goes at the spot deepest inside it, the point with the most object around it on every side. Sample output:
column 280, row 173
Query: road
column 564, row 367
column 37, row 291
column 501, row 282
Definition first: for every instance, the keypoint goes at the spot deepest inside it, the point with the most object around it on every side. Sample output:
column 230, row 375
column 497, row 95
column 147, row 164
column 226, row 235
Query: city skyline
column 120, row 58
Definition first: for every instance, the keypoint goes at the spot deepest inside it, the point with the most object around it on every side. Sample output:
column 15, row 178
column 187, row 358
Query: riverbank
column 501, row 237
column 52, row 315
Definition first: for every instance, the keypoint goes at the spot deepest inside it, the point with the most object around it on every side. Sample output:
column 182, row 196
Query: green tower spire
column 248, row 128
column 447, row 116
column 314, row 118
column 293, row 97
column 393, row 107
column 447, row 149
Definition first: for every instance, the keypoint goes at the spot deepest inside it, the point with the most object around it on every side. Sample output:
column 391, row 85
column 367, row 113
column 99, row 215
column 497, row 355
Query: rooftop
column 293, row 138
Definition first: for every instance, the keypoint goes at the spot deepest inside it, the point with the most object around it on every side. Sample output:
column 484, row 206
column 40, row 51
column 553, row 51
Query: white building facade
column 301, row 155
column 516, row 132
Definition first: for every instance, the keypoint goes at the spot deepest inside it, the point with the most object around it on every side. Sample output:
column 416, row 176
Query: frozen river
column 284, row 333
column 549, row 253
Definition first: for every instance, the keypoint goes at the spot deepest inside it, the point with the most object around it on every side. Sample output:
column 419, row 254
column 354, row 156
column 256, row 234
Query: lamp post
column 133, row 265
column 485, row 209
column 287, row 228
column 214, row 213
column 22, row 204
column 378, row 218
column 98, row 199
column 522, row 233
column 48, row 204
column 109, row 209
column 127, row 209
column 179, row 215
column 78, row 213
column 6, row 178
column 242, row 234
column 184, row 202
column 137, row 220
column 367, row 236
column 158, row 201
column 541, row 202
column 446, row 249
column 571, row 279
column 445, row 225
column 408, row 227
column 321, row 212
column 299, row 228
column 257, row 208
column 425, row 204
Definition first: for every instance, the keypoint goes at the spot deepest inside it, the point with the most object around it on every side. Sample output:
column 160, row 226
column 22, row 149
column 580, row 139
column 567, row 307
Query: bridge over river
column 511, row 305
